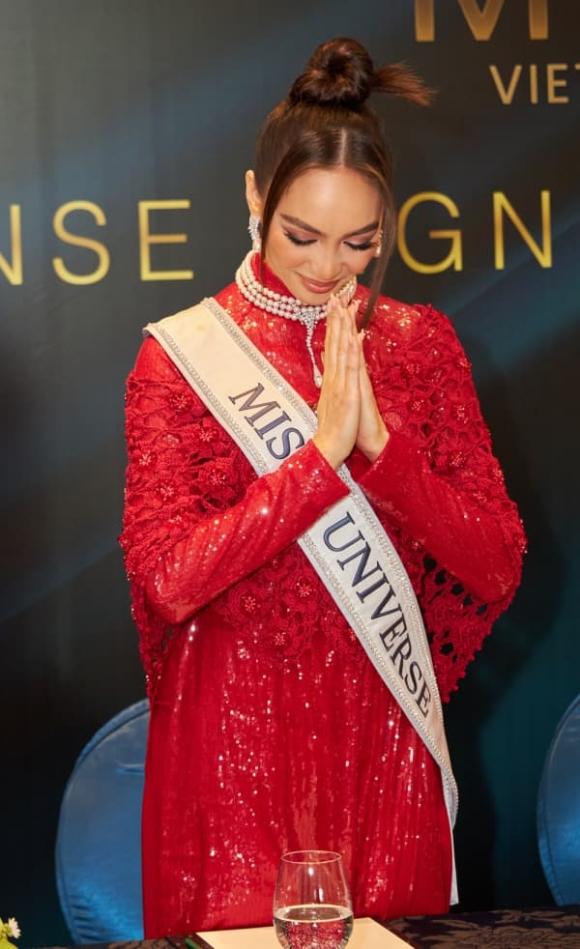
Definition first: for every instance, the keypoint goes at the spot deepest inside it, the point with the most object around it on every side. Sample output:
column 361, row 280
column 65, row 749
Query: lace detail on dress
column 424, row 388
column 183, row 468
column 180, row 469
column 285, row 607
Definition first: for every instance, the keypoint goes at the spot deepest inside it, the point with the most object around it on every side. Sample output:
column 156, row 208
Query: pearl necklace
column 287, row 306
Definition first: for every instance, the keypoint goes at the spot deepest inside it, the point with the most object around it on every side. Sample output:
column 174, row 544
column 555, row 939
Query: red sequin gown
column 270, row 729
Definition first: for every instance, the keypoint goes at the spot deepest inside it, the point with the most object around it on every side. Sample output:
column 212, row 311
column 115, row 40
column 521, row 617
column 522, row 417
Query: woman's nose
column 327, row 266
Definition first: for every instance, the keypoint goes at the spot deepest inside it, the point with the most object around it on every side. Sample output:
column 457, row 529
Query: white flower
column 13, row 928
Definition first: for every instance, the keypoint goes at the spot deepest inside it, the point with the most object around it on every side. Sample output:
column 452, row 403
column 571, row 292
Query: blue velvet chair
column 558, row 814
column 98, row 846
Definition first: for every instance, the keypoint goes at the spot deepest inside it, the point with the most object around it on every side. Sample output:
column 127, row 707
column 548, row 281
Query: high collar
column 269, row 278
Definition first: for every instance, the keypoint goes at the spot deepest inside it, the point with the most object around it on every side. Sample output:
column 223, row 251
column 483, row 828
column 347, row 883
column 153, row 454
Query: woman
column 270, row 727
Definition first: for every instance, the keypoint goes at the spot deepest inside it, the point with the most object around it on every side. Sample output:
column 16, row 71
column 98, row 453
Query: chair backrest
column 558, row 813
column 98, row 846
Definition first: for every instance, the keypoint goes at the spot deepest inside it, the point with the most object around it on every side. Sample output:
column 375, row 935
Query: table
column 554, row 927
column 538, row 928
column 541, row 928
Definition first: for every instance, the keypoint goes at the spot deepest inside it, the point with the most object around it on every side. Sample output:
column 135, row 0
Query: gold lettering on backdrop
column 13, row 270
column 11, row 267
column 538, row 19
column 146, row 239
column 507, row 89
column 506, row 94
column 542, row 254
column 453, row 258
column 533, row 84
column 481, row 21
column 425, row 21
column 77, row 241
column 552, row 82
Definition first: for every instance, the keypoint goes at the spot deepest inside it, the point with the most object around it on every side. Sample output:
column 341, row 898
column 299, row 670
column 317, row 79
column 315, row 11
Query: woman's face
column 325, row 229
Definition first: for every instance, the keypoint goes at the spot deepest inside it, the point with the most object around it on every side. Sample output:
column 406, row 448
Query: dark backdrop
column 114, row 103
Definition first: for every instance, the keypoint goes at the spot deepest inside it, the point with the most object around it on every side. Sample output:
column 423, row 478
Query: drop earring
column 254, row 229
column 379, row 246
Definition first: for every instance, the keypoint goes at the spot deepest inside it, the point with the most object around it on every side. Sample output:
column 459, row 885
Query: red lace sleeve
column 438, row 480
column 448, row 491
column 196, row 517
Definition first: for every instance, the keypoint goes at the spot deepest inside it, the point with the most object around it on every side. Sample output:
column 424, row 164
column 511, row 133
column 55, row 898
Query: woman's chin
column 311, row 297
column 314, row 299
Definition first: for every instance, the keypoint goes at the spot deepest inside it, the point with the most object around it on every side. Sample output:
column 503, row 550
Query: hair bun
column 340, row 72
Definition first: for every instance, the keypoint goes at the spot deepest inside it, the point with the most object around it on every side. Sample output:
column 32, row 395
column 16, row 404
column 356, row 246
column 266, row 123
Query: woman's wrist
column 373, row 451
column 327, row 452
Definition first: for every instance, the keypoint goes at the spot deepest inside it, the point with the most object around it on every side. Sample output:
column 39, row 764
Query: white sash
column 348, row 546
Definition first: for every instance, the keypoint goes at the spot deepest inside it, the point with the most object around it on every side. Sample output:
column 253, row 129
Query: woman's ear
column 253, row 195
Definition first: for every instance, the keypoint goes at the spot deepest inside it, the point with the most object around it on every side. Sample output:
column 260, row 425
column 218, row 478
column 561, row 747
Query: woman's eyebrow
column 308, row 227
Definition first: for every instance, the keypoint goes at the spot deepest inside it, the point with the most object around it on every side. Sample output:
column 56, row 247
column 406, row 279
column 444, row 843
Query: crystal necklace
column 287, row 306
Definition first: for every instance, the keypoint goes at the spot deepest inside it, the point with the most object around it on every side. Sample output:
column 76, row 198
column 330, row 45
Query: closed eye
column 295, row 240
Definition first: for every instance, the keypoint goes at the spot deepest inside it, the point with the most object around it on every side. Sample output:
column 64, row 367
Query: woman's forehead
column 341, row 195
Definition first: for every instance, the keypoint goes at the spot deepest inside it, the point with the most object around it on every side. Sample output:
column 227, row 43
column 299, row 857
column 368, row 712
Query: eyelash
column 295, row 240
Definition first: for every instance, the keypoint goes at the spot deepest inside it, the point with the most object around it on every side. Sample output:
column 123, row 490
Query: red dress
column 270, row 729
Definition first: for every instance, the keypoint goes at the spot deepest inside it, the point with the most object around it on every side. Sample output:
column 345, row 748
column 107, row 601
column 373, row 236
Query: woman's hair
column 325, row 122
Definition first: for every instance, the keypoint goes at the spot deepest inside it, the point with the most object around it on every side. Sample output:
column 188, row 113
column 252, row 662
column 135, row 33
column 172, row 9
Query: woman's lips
column 315, row 287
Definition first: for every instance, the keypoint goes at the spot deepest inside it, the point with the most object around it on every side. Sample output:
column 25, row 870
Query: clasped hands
column 347, row 410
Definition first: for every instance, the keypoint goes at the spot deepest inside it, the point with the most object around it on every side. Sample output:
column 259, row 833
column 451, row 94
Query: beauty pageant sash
column 348, row 546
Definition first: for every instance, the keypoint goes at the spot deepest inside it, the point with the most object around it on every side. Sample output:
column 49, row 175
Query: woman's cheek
column 359, row 265
column 291, row 254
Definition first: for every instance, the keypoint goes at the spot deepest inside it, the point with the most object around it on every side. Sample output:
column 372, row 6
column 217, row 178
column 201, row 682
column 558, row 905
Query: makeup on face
column 324, row 231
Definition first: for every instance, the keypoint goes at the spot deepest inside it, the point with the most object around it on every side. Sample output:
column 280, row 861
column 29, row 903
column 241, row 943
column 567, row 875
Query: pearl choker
column 287, row 306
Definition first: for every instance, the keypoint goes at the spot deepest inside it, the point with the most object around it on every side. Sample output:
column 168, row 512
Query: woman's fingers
column 343, row 347
column 354, row 347
column 366, row 388
column 341, row 331
column 353, row 365
column 339, row 404
column 332, row 335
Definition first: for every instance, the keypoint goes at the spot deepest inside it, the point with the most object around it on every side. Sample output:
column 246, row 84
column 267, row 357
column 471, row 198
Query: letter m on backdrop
column 481, row 18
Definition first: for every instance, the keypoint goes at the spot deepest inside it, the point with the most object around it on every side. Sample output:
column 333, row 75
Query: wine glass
column 312, row 904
